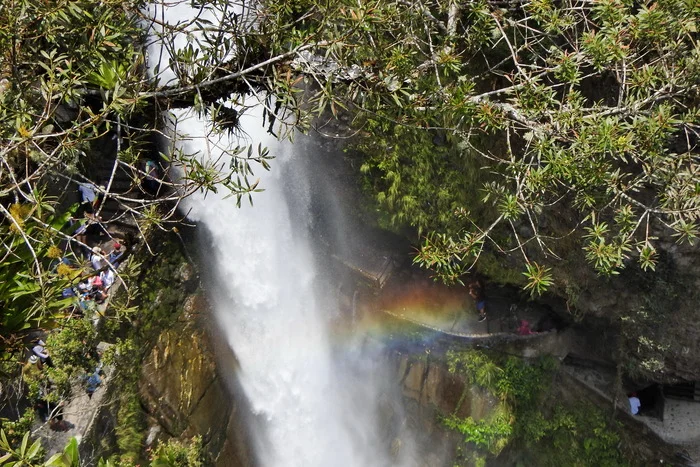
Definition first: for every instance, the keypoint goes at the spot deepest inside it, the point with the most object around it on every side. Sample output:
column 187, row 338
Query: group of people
column 92, row 290
column 95, row 288
column 88, row 229
column 477, row 292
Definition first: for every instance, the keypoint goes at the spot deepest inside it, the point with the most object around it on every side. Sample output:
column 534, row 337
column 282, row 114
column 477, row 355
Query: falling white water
column 316, row 410
column 317, row 402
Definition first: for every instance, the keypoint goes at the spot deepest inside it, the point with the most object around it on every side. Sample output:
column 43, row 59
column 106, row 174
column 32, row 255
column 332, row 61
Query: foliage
column 129, row 427
column 30, row 294
column 174, row 453
column 492, row 433
column 73, row 345
column 539, row 278
column 47, row 118
column 73, row 76
column 15, row 429
column 440, row 185
column 510, row 379
column 598, row 124
column 27, row 455
column 576, row 436
column 545, row 434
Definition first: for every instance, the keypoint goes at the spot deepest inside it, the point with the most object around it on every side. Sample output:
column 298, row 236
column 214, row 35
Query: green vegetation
column 179, row 454
column 542, row 433
column 33, row 278
column 550, row 135
column 160, row 296
column 594, row 143
column 31, row 455
column 169, row 454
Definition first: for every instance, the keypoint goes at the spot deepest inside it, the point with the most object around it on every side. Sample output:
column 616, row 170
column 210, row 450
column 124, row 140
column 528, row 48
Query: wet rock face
column 431, row 392
column 175, row 378
column 432, row 386
column 184, row 396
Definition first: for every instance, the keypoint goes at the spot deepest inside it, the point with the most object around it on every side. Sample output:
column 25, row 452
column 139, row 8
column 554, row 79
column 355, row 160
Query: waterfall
column 318, row 401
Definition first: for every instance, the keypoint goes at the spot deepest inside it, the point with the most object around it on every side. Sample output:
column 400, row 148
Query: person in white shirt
column 40, row 351
column 107, row 277
column 96, row 260
column 635, row 403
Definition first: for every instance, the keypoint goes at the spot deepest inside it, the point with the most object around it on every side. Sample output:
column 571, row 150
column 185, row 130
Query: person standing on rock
column 635, row 403
column 476, row 291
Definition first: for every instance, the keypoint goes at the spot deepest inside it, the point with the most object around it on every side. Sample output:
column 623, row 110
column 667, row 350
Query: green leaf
column 72, row 453
column 34, row 449
column 23, row 447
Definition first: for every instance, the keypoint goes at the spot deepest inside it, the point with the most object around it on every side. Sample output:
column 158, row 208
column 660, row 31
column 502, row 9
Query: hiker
column 151, row 182
column 91, row 226
column 32, row 369
column 107, row 277
column 476, row 291
column 95, row 290
column 87, row 191
column 80, row 233
column 93, row 381
column 96, row 258
column 40, row 351
column 524, row 329
column 42, row 409
column 116, row 254
column 635, row 403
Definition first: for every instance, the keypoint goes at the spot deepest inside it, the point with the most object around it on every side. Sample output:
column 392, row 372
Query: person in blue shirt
column 635, row 403
column 93, row 381
column 87, row 192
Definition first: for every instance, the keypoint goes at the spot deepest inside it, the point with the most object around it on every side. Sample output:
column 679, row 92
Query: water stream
column 318, row 398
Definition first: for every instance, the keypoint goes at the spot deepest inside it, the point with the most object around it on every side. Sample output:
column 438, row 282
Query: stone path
column 79, row 412
column 680, row 425
column 681, row 419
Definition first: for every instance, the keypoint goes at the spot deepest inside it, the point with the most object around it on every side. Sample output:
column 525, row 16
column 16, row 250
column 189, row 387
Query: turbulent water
column 317, row 399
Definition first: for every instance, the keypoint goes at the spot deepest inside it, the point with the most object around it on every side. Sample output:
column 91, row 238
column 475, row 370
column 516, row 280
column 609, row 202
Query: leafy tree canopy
column 580, row 112
column 581, row 116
